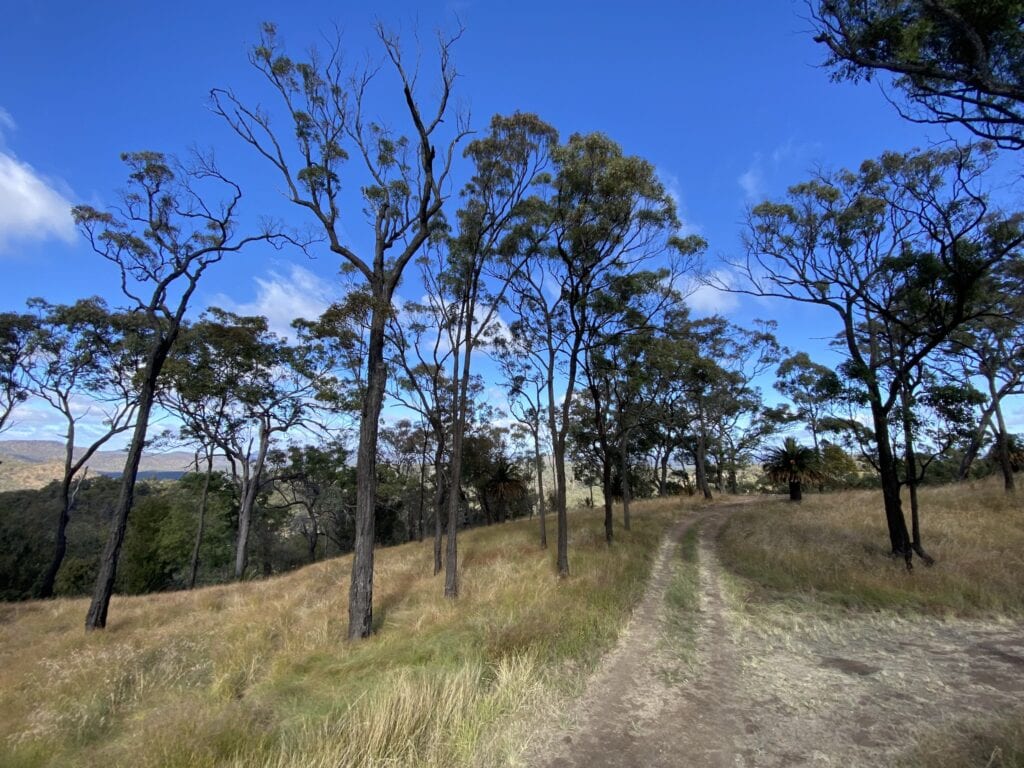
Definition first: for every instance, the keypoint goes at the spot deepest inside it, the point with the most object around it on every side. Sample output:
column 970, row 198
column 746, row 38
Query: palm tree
column 794, row 464
column 505, row 484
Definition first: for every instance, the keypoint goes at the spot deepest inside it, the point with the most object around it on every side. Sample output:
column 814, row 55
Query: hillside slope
column 257, row 674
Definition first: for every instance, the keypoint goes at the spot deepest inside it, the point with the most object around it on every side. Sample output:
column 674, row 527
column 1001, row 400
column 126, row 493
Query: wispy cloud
column 707, row 299
column 766, row 167
column 282, row 298
column 31, row 207
column 675, row 191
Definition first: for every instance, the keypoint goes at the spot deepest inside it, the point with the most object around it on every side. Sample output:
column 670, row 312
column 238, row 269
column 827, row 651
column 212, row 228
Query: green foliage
column 956, row 61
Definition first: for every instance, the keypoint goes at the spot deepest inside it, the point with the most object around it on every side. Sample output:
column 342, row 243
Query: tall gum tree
column 603, row 216
column 857, row 242
column 83, row 365
column 327, row 120
column 168, row 230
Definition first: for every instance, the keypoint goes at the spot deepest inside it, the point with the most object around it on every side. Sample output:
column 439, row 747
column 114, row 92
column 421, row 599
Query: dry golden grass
column 257, row 674
column 833, row 549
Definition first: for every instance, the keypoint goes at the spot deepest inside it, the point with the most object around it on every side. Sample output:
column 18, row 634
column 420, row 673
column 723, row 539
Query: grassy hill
column 257, row 674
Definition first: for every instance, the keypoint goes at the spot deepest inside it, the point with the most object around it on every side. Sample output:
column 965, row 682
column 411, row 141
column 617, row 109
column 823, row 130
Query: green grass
column 257, row 674
column 682, row 598
column 832, row 550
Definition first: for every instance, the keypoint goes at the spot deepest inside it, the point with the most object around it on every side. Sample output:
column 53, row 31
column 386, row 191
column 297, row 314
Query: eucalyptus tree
column 602, row 217
column 485, row 254
column 242, row 386
column 328, row 119
column 812, row 387
column 421, row 358
column 903, row 244
column 525, row 386
column 82, row 363
column 955, row 61
column 992, row 347
column 167, row 231
column 16, row 330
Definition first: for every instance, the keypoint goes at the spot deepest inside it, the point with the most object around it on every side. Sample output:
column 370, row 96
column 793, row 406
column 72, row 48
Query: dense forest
column 554, row 268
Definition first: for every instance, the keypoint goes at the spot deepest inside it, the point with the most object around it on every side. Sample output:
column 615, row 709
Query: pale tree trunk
column 541, row 505
column 1002, row 439
column 248, row 504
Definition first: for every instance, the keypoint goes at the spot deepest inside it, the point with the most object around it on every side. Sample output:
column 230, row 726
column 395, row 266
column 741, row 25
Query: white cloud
column 675, row 191
column 31, row 207
column 283, row 298
column 751, row 181
column 706, row 299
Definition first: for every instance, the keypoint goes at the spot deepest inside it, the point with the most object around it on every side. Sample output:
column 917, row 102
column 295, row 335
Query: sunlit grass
column 833, row 549
column 257, row 674
column 991, row 743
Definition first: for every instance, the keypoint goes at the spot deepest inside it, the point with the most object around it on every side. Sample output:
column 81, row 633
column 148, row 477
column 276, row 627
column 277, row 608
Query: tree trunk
column 96, row 617
column 899, row 538
column 539, row 462
column 626, row 492
column 663, row 480
column 606, row 489
column 67, row 495
column 560, row 507
column 248, row 504
column 795, row 491
column 439, row 485
column 700, row 468
column 1003, row 446
column 912, row 479
column 193, row 569
column 360, row 595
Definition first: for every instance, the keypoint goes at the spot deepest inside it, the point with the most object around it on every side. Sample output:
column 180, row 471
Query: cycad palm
column 794, row 464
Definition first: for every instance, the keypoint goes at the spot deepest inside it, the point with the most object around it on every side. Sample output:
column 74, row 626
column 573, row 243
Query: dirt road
column 766, row 687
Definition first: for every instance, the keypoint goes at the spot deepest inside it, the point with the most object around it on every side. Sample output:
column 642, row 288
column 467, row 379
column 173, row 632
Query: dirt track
column 767, row 688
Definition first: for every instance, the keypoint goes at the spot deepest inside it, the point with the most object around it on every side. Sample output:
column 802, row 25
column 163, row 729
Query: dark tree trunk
column 626, row 492
column 193, row 569
column 606, row 489
column 795, row 491
column 360, row 595
column 439, row 507
column 912, row 480
column 96, row 618
column 560, row 507
column 663, row 479
column 60, row 549
column 899, row 538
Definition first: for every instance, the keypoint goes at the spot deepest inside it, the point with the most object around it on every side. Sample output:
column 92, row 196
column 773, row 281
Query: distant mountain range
column 34, row 463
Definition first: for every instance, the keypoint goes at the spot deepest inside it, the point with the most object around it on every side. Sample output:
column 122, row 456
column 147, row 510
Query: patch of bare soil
column 767, row 686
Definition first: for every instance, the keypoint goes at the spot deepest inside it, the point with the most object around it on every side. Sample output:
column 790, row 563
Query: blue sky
column 727, row 100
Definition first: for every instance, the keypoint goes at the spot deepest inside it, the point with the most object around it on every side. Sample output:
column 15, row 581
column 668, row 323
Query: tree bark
column 626, row 492
column 1003, row 451
column 360, row 595
column 541, row 506
column 96, row 617
column 439, row 486
column 795, row 491
column 248, row 504
column 193, row 569
column 606, row 489
column 700, row 469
